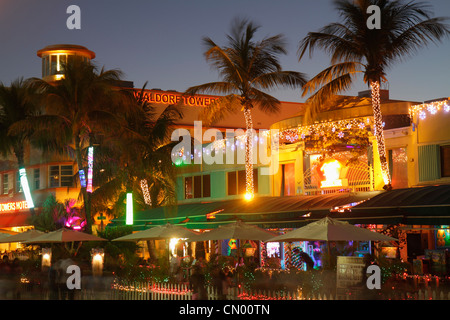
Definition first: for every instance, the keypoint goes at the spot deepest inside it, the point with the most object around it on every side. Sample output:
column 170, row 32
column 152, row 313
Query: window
column 53, row 64
column 445, row 161
column 5, row 183
column 398, row 167
column 61, row 176
column 288, row 179
column 197, row 187
column 36, row 179
column 236, row 182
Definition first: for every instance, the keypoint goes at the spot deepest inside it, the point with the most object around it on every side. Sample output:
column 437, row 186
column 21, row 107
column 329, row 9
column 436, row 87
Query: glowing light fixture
column 129, row 213
column 331, row 170
column 25, row 187
column 90, row 168
column 248, row 196
column 82, row 178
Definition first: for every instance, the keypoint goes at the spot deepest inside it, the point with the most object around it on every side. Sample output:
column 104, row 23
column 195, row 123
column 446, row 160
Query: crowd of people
column 10, row 274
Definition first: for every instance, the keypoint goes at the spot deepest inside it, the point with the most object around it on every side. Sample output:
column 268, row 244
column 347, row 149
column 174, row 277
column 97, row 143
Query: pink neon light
column 90, row 168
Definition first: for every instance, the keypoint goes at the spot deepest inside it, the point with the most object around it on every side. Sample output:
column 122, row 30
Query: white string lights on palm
column 422, row 110
column 145, row 192
column 338, row 128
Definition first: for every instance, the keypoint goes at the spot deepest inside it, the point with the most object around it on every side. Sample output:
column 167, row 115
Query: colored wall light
column 82, row 178
column 25, row 187
column 90, row 168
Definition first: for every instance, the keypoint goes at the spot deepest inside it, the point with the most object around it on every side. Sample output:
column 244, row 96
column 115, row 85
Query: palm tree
column 84, row 102
column 16, row 104
column 144, row 148
column 246, row 67
column 354, row 48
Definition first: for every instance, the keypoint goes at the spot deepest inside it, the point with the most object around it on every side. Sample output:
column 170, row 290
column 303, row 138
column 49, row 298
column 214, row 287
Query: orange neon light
column 331, row 170
column 13, row 206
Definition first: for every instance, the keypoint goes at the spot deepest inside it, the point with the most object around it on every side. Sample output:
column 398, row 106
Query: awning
column 266, row 212
column 16, row 219
column 428, row 205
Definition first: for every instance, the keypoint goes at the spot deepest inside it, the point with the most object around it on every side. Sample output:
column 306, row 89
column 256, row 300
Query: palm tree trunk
column 249, row 188
column 85, row 194
column 379, row 134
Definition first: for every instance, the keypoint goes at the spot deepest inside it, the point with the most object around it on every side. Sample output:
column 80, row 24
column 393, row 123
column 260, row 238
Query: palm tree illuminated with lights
column 355, row 48
column 246, row 67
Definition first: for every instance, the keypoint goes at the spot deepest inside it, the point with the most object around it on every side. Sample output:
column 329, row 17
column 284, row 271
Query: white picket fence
column 169, row 291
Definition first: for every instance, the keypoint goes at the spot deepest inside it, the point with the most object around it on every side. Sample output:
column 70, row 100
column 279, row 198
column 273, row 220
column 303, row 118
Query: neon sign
column 175, row 98
column 13, row 206
column 331, row 171
column 90, row 168
column 129, row 212
column 25, row 187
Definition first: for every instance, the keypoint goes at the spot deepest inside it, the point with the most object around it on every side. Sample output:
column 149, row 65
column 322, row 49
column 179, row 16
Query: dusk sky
column 161, row 41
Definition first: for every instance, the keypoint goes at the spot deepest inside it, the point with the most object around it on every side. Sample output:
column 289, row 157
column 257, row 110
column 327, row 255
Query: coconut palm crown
column 247, row 68
column 354, row 48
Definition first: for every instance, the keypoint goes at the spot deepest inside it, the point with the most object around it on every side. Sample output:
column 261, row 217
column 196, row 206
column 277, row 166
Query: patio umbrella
column 64, row 235
column 3, row 236
column 163, row 232
column 236, row 230
column 328, row 229
column 21, row 237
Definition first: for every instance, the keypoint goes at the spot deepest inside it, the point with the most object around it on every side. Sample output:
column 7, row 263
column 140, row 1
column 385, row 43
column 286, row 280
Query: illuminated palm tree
column 138, row 159
column 355, row 48
column 83, row 103
column 247, row 67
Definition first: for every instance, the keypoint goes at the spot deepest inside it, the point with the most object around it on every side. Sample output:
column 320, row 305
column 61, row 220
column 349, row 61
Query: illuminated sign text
column 175, row 98
column 13, row 206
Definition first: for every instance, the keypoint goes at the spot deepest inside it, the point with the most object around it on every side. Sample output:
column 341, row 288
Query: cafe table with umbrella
column 238, row 230
column 328, row 229
column 22, row 237
column 162, row 232
column 64, row 235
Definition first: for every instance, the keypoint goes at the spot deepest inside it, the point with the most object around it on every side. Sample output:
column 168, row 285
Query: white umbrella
column 21, row 237
column 235, row 230
column 163, row 232
column 328, row 229
column 64, row 235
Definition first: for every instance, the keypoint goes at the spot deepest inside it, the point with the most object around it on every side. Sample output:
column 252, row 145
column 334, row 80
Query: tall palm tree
column 16, row 104
column 84, row 102
column 139, row 156
column 354, row 48
column 246, row 67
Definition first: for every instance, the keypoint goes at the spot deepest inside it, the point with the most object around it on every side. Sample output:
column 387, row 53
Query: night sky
column 160, row 41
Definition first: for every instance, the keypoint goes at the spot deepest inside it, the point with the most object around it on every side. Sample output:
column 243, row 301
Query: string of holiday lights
column 249, row 187
column 378, row 131
column 422, row 110
column 339, row 128
column 145, row 192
